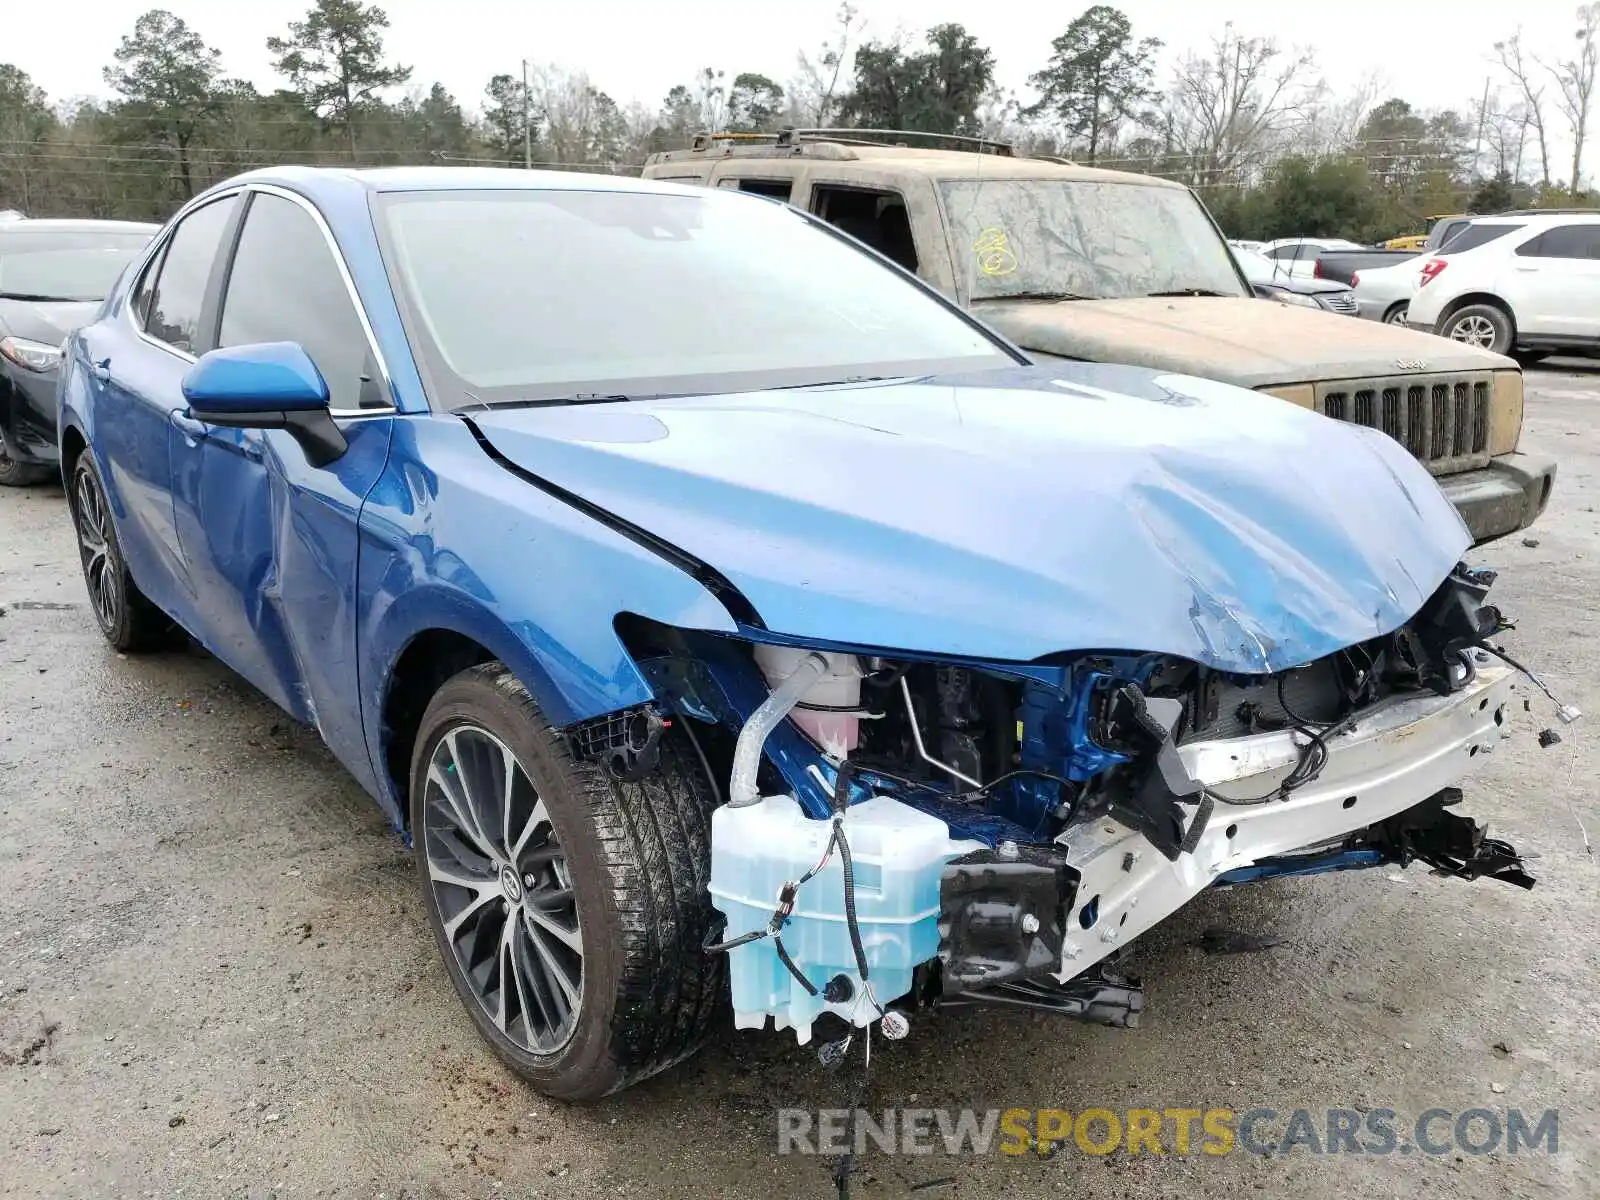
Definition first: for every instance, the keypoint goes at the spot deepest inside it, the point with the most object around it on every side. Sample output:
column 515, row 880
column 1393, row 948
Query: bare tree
column 1328, row 122
column 1575, row 84
column 582, row 124
column 814, row 93
column 1514, row 62
column 1504, row 134
column 1236, row 106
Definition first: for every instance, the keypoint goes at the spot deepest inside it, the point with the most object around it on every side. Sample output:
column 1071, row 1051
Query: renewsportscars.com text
column 1182, row 1131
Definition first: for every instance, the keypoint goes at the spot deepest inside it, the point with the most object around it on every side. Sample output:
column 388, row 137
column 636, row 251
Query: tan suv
column 1072, row 262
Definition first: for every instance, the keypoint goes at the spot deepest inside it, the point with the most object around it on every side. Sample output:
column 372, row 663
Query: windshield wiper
column 1188, row 292
column 575, row 398
column 1036, row 296
column 41, row 298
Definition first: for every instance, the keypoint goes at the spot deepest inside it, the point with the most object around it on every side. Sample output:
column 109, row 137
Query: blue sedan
column 535, row 493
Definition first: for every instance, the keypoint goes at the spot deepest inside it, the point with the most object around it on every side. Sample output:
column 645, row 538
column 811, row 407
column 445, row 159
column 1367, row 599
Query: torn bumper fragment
column 1396, row 757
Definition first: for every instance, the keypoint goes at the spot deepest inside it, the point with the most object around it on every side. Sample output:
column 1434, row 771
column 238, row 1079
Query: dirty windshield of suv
column 1084, row 239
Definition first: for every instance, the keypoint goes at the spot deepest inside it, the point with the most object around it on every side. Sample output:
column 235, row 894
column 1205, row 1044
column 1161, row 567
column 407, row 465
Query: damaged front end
column 899, row 831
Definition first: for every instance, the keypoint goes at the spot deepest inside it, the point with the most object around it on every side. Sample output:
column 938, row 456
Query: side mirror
column 272, row 385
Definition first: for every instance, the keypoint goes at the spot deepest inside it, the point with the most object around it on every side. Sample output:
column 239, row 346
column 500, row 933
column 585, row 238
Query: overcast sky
column 1433, row 52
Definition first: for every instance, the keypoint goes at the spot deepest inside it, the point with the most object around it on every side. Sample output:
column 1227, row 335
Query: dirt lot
column 216, row 979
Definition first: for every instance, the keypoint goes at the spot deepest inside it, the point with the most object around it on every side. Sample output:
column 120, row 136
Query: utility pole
column 527, row 131
column 1483, row 112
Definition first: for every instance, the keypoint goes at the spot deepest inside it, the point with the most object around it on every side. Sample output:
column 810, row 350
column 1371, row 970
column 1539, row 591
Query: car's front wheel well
column 1475, row 298
column 428, row 661
column 73, row 444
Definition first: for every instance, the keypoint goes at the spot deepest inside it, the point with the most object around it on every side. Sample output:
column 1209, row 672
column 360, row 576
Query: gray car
column 53, row 275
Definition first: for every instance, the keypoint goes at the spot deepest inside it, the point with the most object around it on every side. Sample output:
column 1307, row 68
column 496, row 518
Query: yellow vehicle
column 1445, row 226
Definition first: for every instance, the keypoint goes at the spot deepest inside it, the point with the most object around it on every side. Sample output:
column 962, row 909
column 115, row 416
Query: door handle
column 1520, row 267
column 102, row 370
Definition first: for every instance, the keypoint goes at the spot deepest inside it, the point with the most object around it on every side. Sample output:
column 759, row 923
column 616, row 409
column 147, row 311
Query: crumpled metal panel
column 1022, row 513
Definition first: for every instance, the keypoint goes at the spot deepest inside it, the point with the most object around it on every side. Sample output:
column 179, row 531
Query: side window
column 173, row 312
column 1564, row 241
column 1473, row 236
column 147, row 287
column 286, row 287
column 877, row 218
column 778, row 189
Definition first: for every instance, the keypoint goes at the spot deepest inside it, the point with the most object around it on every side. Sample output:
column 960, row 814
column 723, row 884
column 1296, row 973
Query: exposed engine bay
column 905, row 831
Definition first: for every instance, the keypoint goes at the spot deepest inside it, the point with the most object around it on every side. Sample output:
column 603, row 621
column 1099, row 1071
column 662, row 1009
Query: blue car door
column 269, row 540
column 137, row 357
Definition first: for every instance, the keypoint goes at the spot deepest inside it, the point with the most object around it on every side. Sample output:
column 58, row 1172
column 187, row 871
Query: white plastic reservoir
column 899, row 855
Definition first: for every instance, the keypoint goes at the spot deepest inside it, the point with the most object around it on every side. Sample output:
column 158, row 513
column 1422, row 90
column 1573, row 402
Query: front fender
column 452, row 541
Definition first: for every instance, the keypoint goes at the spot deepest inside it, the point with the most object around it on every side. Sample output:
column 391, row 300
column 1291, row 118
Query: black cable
column 783, row 957
column 687, row 726
column 847, row 866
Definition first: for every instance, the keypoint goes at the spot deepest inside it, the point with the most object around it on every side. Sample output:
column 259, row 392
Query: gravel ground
column 216, row 978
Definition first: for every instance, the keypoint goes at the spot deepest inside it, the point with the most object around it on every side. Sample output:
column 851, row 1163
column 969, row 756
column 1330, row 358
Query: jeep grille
column 1442, row 419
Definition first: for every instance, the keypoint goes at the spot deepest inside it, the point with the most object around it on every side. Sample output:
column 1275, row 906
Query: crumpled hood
column 1249, row 342
column 1020, row 513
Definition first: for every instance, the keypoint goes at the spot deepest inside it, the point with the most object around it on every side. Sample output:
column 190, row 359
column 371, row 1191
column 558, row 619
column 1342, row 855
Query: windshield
column 1258, row 268
column 521, row 296
column 60, row 265
column 1086, row 239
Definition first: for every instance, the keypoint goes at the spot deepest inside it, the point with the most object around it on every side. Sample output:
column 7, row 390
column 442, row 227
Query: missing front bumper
column 1381, row 797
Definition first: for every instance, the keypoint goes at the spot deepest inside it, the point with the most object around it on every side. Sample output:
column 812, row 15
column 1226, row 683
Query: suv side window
column 778, row 189
column 175, row 305
column 877, row 218
column 1564, row 241
column 286, row 287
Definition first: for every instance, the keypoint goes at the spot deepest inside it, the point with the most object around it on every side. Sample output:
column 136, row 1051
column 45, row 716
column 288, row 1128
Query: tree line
column 1252, row 124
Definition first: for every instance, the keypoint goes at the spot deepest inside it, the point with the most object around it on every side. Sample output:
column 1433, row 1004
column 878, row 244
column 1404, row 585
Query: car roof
column 941, row 164
column 419, row 179
column 1561, row 217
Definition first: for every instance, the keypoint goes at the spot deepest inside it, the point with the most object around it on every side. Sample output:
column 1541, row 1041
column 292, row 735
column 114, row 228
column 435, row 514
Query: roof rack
column 791, row 136
column 1547, row 212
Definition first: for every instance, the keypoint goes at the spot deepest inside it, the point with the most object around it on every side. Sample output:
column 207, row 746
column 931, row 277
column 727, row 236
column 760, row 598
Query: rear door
column 137, row 363
column 1553, row 283
column 270, row 539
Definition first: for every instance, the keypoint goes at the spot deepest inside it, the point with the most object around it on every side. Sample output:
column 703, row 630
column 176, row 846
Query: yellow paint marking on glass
column 993, row 249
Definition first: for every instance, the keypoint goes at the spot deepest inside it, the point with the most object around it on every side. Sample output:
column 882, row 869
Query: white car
column 1383, row 293
column 1298, row 256
column 1528, row 284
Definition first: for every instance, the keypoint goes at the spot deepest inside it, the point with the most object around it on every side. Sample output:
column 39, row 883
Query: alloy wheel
column 502, row 888
column 102, row 569
column 1474, row 331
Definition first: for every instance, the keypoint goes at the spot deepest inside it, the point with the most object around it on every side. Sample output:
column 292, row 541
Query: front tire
column 129, row 621
column 569, row 907
column 1481, row 325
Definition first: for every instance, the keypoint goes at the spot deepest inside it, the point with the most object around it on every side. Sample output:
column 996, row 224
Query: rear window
column 1474, row 236
column 63, row 264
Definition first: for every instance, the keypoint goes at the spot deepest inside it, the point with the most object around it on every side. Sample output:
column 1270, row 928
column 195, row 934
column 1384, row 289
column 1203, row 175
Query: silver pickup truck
column 1073, row 262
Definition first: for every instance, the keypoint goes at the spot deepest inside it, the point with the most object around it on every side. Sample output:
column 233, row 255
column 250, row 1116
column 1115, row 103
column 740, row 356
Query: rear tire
column 1396, row 314
column 577, row 908
column 129, row 621
column 1481, row 325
